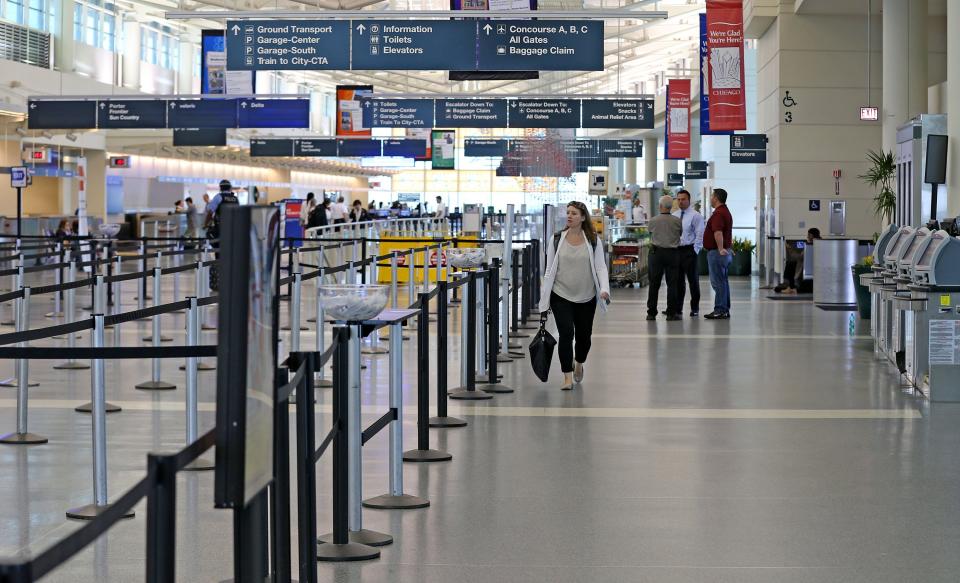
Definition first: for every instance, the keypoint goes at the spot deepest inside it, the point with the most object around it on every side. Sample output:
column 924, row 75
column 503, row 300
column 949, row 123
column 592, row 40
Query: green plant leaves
column 880, row 176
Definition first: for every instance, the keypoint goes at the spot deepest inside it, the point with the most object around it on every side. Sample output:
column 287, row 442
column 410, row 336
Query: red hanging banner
column 678, row 119
column 728, row 110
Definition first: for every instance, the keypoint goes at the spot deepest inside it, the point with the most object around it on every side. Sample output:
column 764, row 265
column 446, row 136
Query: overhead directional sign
column 62, row 115
column 274, row 113
column 261, row 148
column 539, row 45
column 132, row 114
column 202, row 113
column 618, row 113
column 748, row 149
column 471, row 113
column 405, row 148
column 674, row 179
column 397, row 113
column 695, row 170
column 421, row 45
column 284, row 45
column 620, row 148
column 545, row 113
column 359, row 148
column 314, row 148
column 483, row 147
column 200, row 137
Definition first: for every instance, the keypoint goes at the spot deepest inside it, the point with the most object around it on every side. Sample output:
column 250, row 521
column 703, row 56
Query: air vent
column 24, row 45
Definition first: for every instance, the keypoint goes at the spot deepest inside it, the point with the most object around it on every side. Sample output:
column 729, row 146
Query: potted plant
column 880, row 176
column 863, row 292
column 743, row 250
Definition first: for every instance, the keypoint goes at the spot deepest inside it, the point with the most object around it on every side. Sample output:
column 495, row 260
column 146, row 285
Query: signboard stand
column 19, row 179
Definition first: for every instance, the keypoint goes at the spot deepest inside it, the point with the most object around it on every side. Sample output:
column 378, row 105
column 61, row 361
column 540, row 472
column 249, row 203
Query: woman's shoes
column 578, row 373
column 567, row 383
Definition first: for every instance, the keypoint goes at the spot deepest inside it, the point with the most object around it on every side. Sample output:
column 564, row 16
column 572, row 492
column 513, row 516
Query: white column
column 904, row 64
column 953, row 110
column 649, row 160
column 185, row 72
column 669, row 167
column 630, row 170
column 63, row 43
column 131, row 54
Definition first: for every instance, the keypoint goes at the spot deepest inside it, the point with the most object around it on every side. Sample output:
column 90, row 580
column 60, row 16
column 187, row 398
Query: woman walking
column 576, row 277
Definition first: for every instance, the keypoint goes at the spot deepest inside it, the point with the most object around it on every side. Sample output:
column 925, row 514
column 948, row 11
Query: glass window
column 91, row 33
column 36, row 16
column 13, row 11
column 109, row 35
column 78, row 22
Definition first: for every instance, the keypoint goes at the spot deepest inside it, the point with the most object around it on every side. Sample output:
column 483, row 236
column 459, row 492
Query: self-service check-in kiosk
column 874, row 281
column 886, row 287
column 891, row 336
column 913, row 363
column 932, row 334
column 902, row 280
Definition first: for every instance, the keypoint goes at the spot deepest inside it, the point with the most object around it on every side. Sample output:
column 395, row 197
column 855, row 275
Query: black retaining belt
column 111, row 352
column 41, row 333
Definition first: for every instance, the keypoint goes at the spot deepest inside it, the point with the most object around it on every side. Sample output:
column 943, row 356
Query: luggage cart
column 628, row 263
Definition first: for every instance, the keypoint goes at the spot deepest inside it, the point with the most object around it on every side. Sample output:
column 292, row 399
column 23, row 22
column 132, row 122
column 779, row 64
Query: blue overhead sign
column 202, row 113
column 405, row 148
column 471, row 113
column 421, row 45
column 618, row 113
column 620, row 148
column 748, row 149
column 397, row 113
column 359, row 148
column 287, row 45
column 261, row 148
column 314, row 148
column 62, row 115
column 539, row 45
column 274, row 113
column 131, row 114
column 545, row 113
column 200, row 137
column 483, row 147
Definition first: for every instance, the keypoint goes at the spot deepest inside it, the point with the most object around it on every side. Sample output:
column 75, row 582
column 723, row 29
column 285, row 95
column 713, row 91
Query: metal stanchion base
column 483, row 379
column 514, row 346
column 445, row 422
column 426, row 455
column 155, row 386
column 72, row 366
column 529, row 327
column 53, row 314
column 373, row 350
column 462, row 394
column 323, row 383
column 88, row 407
column 199, row 465
column 518, row 335
column 91, row 511
column 162, row 339
column 302, row 328
column 207, row 327
column 332, row 553
column 401, row 502
column 200, row 366
column 7, row 323
column 12, row 382
column 22, row 439
column 370, row 538
column 495, row 389
column 311, row 320
column 516, row 355
column 503, row 358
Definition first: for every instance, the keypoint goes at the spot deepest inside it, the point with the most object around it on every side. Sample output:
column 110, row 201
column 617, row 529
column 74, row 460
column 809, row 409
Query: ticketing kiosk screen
column 899, row 240
column 908, row 256
column 928, row 253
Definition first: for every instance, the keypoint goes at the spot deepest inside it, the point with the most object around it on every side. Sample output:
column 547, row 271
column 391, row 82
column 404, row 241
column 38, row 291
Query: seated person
column 793, row 281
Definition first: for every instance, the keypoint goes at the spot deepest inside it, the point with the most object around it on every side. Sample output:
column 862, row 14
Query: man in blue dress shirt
column 691, row 241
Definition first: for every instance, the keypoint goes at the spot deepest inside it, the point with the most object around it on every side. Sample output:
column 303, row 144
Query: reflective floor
column 770, row 447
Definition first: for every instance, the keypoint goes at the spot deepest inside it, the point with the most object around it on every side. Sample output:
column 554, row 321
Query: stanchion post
column 70, row 315
column 162, row 519
column 468, row 336
column 321, row 382
column 468, row 389
column 155, row 384
column 515, row 298
column 295, row 311
column 192, row 366
column 99, row 305
column 423, row 453
column 22, row 435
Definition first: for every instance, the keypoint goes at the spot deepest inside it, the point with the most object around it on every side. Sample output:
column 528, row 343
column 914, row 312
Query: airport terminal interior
column 561, row 291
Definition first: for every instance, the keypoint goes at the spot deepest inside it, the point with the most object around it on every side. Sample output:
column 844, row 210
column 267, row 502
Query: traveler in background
column 372, row 206
column 576, row 277
column 65, row 234
column 194, row 220
column 793, row 266
column 639, row 214
column 338, row 211
column 320, row 215
column 358, row 213
column 718, row 241
column 441, row 209
column 691, row 242
column 224, row 197
column 308, row 206
column 665, row 230
column 179, row 207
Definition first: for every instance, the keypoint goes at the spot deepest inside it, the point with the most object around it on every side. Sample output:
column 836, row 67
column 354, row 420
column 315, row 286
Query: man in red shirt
column 718, row 241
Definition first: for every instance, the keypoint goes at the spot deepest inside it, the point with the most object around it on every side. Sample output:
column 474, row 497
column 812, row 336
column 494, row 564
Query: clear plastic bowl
column 466, row 257
column 108, row 230
column 353, row 302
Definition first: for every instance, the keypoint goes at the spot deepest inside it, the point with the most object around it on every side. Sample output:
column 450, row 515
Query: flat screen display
column 935, row 166
column 349, row 115
column 443, row 149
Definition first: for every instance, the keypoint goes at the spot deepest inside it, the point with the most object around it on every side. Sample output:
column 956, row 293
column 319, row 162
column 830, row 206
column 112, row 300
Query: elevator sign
column 423, row 45
column 273, row 45
column 540, row 45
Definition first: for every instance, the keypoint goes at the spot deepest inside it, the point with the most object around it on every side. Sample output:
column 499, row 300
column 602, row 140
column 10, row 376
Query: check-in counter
column 832, row 259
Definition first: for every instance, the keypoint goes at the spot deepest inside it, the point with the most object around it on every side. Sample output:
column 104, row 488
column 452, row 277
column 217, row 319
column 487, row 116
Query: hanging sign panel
column 539, row 45
column 484, row 148
column 132, row 114
column 471, row 113
column 200, row 137
column 620, row 148
column 545, row 113
column 405, row 148
column 705, row 129
column 274, row 113
column 272, row 45
column 678, row 119
column 695, row 170
column 618, row 113
column 728, row 110
column 263, row 148
column 397, row 113
column 421, row 45
column 359, row 148
column 62, row 115
column 748, row 149
column 315, row 148
column 202, row 113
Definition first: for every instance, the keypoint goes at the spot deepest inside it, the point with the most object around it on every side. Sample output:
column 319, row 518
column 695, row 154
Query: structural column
column 64, row 55
column 649, row 160
column 904, row 64
column 953, row 109
column 185, row 71
column 131, row 54
column 630, row 170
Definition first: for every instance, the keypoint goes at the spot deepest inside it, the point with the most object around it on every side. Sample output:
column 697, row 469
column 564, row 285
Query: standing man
column 338, row 211
column 718, row 241
column 665, row 232
column 441, row 209
column 691, row 241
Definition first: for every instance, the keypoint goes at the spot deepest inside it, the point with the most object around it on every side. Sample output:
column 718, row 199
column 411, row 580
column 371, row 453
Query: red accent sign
column 678, row 119
column 728, row 110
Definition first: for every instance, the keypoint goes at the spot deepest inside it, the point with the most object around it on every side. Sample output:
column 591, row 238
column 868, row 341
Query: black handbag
column 541, row 350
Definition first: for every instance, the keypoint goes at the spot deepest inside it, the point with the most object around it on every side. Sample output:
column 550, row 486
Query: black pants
column 790, row 273
column 663, row 262
column 689, row 275
column 573, row 321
